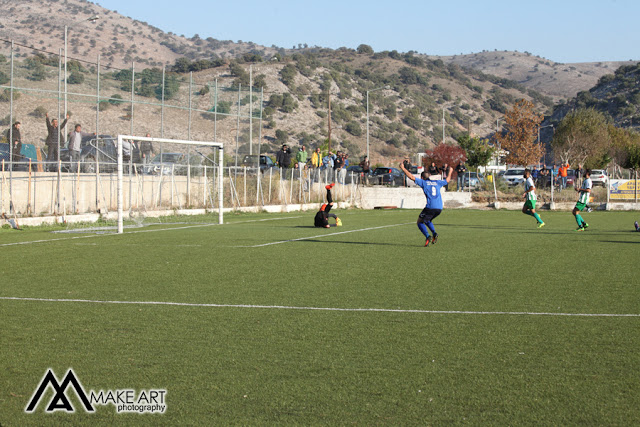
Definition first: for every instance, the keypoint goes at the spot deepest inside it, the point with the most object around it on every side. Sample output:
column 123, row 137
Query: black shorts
column 429, row 214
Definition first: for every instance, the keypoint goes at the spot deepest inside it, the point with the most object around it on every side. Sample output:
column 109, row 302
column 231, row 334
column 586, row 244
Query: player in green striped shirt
column 583, row 198
column 529, row 196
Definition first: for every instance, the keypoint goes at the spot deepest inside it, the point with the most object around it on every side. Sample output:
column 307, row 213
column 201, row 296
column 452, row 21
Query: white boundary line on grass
column 142, row 231
column 323, row 235
column 288, row 307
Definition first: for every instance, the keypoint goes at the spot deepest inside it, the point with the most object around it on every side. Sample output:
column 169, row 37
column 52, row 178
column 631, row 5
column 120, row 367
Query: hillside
column 617, row 95
column 557, row 80
column 404, row 119
column 118, row 39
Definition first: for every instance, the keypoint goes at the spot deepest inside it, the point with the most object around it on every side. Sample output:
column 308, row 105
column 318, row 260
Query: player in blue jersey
column 434, row 201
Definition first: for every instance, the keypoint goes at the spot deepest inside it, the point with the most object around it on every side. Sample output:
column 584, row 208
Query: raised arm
column 448, row 178
column 409, row 174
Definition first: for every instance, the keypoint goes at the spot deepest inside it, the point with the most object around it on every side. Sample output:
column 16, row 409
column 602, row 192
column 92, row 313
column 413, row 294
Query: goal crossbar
column 212, row 144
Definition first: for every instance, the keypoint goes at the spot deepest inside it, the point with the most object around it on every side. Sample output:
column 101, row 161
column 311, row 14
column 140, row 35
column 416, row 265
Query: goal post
column 133, row 143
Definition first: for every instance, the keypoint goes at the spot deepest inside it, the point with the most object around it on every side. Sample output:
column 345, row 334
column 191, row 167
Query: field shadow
column 354, row 243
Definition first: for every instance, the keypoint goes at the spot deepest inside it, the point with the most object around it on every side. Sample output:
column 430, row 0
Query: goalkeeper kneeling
column 322, row 216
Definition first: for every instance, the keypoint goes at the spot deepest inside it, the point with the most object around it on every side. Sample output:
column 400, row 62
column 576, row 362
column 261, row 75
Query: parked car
column 571, row 178
column 167, row 164
column 354, row 174
column 387, row 176
column 514, row 176
column 102, row 149
column 599, row 177
column 27, row 152
column 251, row 161
column 472, row 179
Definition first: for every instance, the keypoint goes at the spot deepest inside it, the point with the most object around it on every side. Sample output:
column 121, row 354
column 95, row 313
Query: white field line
column 324, row 235
column 287, row 307
column 142, row 231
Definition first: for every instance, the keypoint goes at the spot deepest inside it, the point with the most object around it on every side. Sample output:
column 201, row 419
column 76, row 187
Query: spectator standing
column 316, row 158
column 75, row 146
column 283, row 157
column 562, row 172
column 146, row 150
column 544, row 173
column 52, row 142
column 443, row 172
column 15, row 140
column 301, row 157
column 461, row 169
column 407, row 165
column 433, row 169
column 366, row 167
column 535, row 174
column 579, row 174
column 338, row 167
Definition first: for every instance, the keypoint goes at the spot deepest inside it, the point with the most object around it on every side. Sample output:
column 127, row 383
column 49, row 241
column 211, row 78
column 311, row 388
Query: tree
column 582, row 137
column 3, row 78
column 75, row 78
column 444, row 153
column 288, row 74
column 353, row 128
column 282, row 136
column 519, row 140
column 365, row 49
column 478, row 152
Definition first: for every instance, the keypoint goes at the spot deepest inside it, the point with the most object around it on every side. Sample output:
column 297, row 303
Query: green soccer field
column 267, row 320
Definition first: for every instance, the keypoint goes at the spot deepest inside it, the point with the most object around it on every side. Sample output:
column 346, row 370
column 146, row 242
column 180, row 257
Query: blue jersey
column 432, row 192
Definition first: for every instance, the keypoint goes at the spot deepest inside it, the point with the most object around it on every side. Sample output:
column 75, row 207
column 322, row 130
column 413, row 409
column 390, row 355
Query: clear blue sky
column 560, row 30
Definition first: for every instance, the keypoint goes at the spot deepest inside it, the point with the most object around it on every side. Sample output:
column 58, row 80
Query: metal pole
column 251, row 112
column 120, row 195
column 162, row 111
column 11, row 207
column 190, row 103
column 220, row 186
column 329, row 115
column 97, row 99
column 133, row 82
column 443, row 125
column 65, row 69
column 59, row 176
column 215, row 115
column 368, row 126
column 238, row 129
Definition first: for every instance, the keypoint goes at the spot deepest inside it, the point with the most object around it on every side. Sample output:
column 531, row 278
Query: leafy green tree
column 582, row 137
column 365, row 49
column 75, row 78
column 116, row 99
column 478, row 152
column 281, row 136
column 353, row 128
column 3, row 78
column 288, row 74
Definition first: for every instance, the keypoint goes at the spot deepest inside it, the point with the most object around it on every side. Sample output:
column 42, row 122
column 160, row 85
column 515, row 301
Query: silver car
column 599, row 177
column 514, row 176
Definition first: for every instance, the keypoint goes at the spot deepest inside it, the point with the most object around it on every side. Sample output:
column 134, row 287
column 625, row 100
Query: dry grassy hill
column 555, row 79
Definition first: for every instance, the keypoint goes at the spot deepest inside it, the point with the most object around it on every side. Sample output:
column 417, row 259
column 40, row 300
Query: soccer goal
column 158, row 175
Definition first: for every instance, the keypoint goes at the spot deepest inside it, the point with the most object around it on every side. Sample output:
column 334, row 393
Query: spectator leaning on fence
column 75, row 145
column 52, row 141
column 146, row 149
column 316, row 158
column 15, row 139
column 283, row 157
column 301, row 157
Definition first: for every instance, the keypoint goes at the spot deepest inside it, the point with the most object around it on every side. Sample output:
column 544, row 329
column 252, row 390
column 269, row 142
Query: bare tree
column 519, row 140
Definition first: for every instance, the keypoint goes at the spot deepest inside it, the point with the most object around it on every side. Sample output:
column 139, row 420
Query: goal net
column 162, row 180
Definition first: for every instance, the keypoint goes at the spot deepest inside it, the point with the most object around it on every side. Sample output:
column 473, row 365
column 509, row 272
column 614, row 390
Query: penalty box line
column 338, row 309
column 142, row 231
column 323, row 235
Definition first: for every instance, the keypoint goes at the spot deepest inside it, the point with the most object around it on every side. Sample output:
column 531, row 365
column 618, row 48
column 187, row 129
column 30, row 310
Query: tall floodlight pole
column 93, row 19
column 368, row 92
column 541, row 127
column 443, row 125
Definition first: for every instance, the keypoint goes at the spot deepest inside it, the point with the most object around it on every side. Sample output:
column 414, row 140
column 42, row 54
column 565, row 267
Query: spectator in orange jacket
column 562, row 172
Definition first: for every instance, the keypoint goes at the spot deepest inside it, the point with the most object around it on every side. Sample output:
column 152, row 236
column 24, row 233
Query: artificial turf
column 502, row 329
